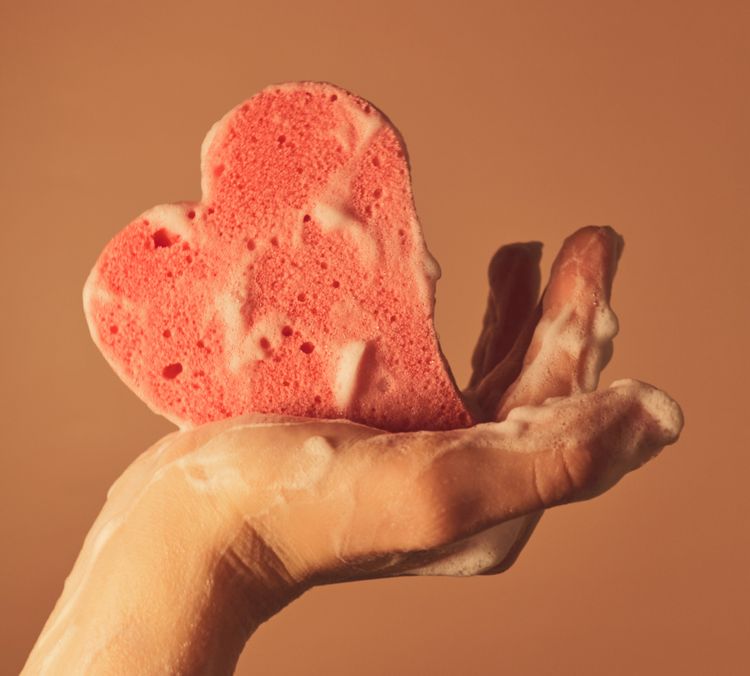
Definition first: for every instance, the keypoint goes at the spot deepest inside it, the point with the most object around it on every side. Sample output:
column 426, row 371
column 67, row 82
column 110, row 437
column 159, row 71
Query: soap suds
column 350, row 356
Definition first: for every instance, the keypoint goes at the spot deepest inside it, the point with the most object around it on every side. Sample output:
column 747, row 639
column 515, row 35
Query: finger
column 573, row 340
column 514, row 280
column 428, row 490
column 581, row 279
column 491, row 389
column 496, row 549
column 571, row 343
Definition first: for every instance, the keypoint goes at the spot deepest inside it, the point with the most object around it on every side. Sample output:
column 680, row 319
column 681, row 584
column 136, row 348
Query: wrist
column 163, row 584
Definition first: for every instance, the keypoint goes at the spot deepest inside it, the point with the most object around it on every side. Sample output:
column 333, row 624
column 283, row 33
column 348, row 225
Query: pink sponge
column 300, row 284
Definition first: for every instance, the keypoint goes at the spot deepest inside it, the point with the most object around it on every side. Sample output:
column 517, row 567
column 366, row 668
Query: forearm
column 159, row 588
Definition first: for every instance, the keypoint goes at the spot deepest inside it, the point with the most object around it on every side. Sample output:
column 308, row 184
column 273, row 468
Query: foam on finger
column 573, row 339
column 663, row 410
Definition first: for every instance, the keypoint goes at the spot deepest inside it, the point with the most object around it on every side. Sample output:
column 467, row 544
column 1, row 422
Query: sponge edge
column 299, row 284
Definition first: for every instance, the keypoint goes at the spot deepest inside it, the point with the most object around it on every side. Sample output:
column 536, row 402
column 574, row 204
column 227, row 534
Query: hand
column 213, row 530
column 529, row 352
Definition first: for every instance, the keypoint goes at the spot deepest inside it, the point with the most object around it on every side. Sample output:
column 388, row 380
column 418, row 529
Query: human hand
column 213, row 530
column 528, row 352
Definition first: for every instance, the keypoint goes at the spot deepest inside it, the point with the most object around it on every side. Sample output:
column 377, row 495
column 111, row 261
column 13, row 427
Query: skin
column 213, row 530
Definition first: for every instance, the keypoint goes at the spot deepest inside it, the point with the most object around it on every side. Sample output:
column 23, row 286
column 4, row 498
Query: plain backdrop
column 524, row 120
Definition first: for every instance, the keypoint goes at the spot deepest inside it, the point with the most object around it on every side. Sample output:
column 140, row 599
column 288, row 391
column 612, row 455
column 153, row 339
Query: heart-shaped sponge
column 300, row 284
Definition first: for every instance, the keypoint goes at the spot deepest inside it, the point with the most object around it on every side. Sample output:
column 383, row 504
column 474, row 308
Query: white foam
column 208, row 471
column 331, row 208
column 332, row 215
column 350, row 356
column 554, row 337
column 604, row 327
column 228, row 307
column 214, row 467
column 206, row 171
column 426, row 269
column 660, row 406
column 75, row 584
column 317, row 458
column 366, row 125
column 269, row 327
column 478, row 553
column 341, row 138
column 242, row 344
column 431, row 266
column 297, row 229
column 173, row 217
column 93, row 290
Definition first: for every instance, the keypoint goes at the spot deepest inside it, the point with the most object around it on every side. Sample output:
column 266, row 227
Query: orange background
column 524, row 120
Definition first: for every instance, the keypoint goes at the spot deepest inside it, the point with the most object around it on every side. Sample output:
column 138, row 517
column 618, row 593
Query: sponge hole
column 172, row 371
column 164, row 238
